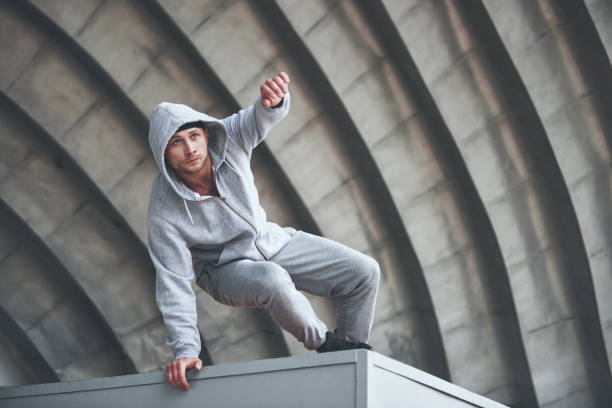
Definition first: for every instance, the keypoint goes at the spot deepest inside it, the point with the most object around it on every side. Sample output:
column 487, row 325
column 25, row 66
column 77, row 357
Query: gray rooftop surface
column 354, row 378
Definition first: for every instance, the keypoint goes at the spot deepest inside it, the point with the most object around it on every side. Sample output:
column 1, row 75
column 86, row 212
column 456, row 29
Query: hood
column 165, row 120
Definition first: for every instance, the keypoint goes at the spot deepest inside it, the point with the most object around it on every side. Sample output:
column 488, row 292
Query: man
column 205, row 221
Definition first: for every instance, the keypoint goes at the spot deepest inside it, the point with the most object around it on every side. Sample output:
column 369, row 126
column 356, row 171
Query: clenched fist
column 175, row 371
column 274, row 89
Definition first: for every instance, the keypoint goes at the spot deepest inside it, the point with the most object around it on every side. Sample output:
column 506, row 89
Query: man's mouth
column 192, row 160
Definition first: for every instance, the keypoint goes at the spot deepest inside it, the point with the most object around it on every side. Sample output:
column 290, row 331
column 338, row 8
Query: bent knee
column 373, row 273
column 367, row 270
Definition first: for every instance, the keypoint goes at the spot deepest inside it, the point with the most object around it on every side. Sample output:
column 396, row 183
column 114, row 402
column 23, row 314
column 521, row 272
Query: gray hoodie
column 188, row 232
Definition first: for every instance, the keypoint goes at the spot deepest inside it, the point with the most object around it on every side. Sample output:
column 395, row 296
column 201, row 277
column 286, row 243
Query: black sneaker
column 333, row 342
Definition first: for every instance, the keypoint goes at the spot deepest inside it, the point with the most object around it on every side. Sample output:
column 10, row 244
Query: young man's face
column 187, row 150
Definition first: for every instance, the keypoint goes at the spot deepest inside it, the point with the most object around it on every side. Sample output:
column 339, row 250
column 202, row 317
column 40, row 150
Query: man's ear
column 206, row 134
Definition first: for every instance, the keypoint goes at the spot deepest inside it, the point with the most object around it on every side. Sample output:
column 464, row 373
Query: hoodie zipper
column 224, row 200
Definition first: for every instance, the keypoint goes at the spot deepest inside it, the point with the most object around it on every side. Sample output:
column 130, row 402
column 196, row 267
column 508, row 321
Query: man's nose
column 191, row 147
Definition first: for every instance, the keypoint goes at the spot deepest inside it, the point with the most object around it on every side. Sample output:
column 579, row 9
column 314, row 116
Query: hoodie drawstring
column 187, row 208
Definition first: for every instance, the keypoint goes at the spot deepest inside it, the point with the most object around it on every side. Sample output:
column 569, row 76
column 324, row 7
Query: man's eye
column 176, row 141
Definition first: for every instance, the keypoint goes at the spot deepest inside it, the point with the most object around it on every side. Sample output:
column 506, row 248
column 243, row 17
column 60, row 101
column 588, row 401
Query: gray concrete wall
column 463, row 144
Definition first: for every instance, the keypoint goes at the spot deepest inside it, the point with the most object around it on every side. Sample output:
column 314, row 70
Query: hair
column 189, row 125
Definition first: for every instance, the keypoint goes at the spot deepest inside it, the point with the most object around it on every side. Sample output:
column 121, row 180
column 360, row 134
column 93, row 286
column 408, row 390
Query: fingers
column 195, row 363
column 173, row 374
column 271, row 92
column 175, row 371
column 181, row 380
column 280, row 83
column 274, row 89
column 277, row 86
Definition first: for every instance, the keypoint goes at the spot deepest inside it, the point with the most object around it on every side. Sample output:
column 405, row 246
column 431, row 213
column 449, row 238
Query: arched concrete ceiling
column 50, row 309
column 465, row 145
column 502, row 141
column 569, row 85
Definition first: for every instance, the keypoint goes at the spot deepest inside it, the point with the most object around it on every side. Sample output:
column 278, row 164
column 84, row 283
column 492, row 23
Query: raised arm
column 251, row 125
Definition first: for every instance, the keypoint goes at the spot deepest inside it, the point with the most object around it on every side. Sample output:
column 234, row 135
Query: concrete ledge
column 355, row 378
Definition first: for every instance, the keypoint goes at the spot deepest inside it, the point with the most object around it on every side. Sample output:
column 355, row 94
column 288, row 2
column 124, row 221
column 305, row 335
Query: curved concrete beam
column 569, row 79
column 601, row 13
column 20, row 361
column 430, row 185
column 338, row 181
column 58, row 320
column 498, row 132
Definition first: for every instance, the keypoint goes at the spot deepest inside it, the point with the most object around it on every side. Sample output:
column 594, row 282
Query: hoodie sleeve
column 173, row 292
column 250, row 126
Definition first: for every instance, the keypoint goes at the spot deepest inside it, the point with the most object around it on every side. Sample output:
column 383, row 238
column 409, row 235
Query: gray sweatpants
column 310, row 263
